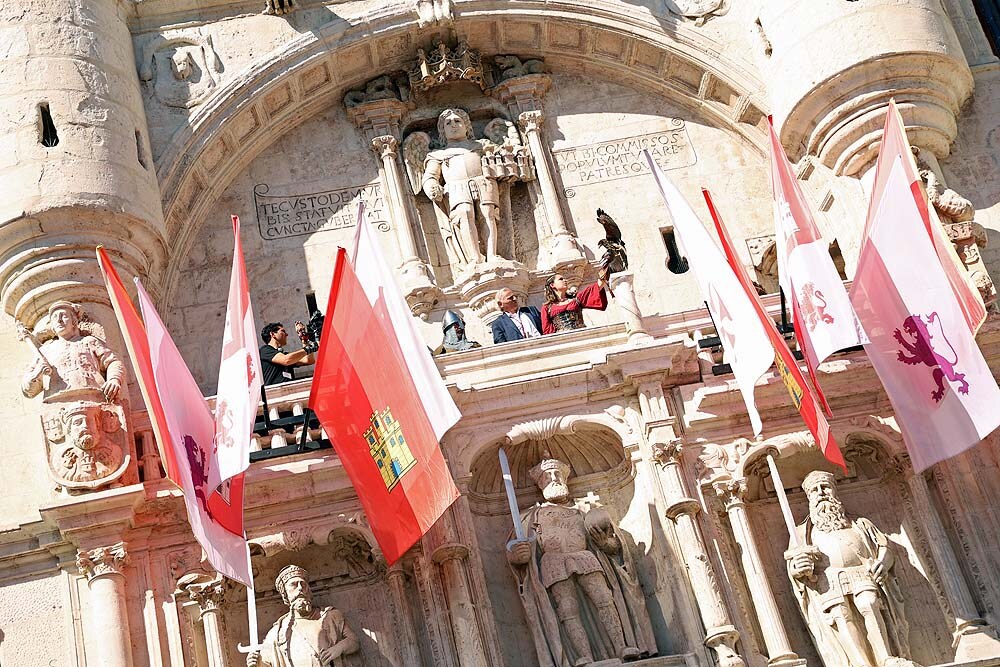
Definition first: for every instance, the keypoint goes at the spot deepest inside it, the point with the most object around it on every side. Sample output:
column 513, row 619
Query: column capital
column 378, row 117
column 523, row 93
column 385, row 146
column 669, row 452
column 450, row 551
column 531, row 121
column 102, row 561
column 209, row 593
column 731, row 492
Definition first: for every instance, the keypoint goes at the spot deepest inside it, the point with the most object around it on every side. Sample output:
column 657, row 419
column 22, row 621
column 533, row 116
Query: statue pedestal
column 479, row 285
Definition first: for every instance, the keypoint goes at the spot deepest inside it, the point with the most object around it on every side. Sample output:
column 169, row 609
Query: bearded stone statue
column 843, row 576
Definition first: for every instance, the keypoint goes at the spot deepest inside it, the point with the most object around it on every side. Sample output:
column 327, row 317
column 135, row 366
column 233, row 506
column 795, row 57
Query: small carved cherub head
column 825, row 509
column 454, row 125
column 292, row 583
column 552, row 476
column 64, row 318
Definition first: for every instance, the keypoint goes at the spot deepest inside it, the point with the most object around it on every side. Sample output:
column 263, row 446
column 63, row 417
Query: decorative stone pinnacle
column 102, row 561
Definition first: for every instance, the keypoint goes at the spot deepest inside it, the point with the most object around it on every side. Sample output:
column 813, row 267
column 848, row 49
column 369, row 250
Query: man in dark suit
column 514, row 322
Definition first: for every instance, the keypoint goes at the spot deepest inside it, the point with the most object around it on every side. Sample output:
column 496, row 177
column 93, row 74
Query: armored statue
column 453, row 327
column 74, row 364
column 843, row 576
column 306, row 636
column 463, row 179
column 80, row 380
column 577, row 581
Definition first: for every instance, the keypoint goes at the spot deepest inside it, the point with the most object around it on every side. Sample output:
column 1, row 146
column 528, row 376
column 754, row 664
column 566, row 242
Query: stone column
column 974, row 638
column 405, row 630
column 379, row 121
column 209, row 594
column 720, row 633
column 107, row 608
column 465, row 628
column 565, row 249
column 779, row 650
column 621, row 286
column 523, row 96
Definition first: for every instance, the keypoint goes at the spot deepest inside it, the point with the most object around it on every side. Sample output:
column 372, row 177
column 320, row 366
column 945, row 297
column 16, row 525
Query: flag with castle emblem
column 919, row 320
column 821, row 310
column 379, row 414
column 183, row 425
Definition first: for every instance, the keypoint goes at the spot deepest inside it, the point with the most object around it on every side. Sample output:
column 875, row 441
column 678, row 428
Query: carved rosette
column 103, row 561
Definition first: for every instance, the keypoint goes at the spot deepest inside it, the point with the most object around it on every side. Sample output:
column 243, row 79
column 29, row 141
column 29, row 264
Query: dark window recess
column 140, row 150
column 675, row 263
column 989, row 17
column 47, row 128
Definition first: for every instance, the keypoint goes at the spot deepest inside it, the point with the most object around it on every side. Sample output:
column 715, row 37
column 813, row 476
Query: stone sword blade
column 786, row 509
column 508, row 483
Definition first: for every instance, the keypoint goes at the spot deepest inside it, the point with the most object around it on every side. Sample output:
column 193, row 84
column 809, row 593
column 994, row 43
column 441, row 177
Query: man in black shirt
column 276, row 364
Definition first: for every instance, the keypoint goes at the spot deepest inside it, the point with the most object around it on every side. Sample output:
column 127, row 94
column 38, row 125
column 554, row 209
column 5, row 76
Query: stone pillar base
column 976, row 642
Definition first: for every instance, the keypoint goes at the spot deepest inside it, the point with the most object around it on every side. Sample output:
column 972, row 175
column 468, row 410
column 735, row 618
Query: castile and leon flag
column 382, row 401
column 920, row 315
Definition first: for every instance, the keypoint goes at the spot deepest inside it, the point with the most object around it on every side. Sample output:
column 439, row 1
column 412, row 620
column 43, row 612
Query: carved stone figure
column 843, row 576
column 701, row 10
column 80, row 380
column 193, row 65
column 577, row 581
column 453, row 327
column 462, row 180
column 279, row 7
column 305, row 636
column 381, row 88
column 512, row 66
column 75, row 364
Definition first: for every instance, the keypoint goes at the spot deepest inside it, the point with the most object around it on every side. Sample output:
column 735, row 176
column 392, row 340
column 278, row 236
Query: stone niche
column 602, row 478
column 874, row 488
column 345, row 572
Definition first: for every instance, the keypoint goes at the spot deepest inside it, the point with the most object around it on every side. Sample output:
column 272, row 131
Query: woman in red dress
column 563, row 311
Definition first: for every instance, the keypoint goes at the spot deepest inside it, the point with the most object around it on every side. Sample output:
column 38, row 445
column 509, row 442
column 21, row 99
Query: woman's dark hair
column 269, row 329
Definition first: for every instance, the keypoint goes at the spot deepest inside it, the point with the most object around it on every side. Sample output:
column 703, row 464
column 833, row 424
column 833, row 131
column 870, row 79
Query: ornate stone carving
column 306, row 635
column 668, row 453
column 700, row 10
column 385, row 146
column 602, row 572
column 208, row 591
column 732, row 492
column 181, row 70
column 463, row 178
column 718, row 461
column 381, row 88
column 80, row 380
column 844, row 580
column 430, row 12
column 511, row 66
column 102, row 561
column 443, row 65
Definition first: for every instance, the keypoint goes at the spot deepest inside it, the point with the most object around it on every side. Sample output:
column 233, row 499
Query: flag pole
column 255, row 644
column 508, row 483
column 786, row 509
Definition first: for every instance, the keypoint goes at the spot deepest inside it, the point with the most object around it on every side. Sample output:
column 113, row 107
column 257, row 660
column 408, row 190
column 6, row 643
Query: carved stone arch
column 281, row 90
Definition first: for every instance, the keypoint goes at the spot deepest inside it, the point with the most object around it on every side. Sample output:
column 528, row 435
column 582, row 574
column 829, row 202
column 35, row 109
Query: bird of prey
column 615, row 258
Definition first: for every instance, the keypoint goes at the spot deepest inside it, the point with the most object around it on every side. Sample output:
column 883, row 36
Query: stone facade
column 142, row 125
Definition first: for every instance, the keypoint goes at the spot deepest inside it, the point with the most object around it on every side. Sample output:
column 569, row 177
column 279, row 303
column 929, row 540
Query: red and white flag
column 821, row 310
column 383, row 408
column 183, row 425
column 237, row 396
column 894, row 143
column 800, row 392
column 919, row 323
column 747, row 348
